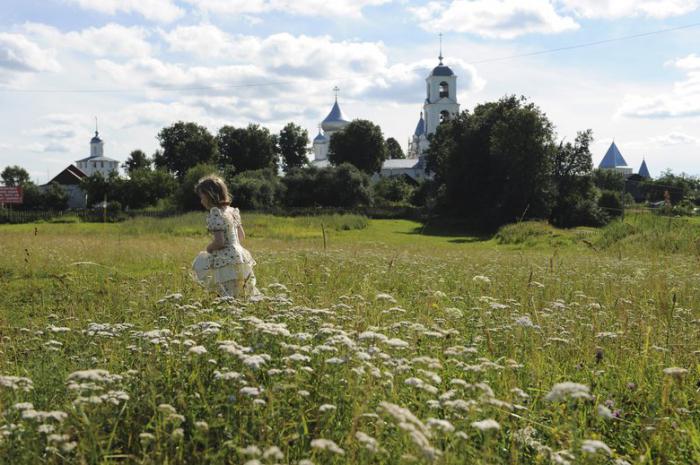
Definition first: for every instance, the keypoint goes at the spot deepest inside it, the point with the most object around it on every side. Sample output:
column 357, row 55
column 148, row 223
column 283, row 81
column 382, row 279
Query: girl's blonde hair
column 215, row 189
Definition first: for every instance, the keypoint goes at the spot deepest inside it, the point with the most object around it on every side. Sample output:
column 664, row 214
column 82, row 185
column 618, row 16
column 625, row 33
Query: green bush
column 393, row 190
column 523, row 232
column 611, row 203
column 341, row 186
column 256, row 189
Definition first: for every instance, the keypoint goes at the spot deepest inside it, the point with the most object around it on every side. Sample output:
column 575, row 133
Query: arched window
column 444, row 89
column 444, row 116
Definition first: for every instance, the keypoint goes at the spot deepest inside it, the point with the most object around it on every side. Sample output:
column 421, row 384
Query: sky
column 140, row 65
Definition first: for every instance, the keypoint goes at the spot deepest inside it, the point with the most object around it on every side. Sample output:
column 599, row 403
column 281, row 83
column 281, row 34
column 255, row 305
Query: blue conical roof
column 613, row 158
column 336, row 115
column 320, row 137
column 420, row 127
column 644, row 171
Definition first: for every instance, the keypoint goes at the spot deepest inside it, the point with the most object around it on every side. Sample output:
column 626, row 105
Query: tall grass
column 413, row 350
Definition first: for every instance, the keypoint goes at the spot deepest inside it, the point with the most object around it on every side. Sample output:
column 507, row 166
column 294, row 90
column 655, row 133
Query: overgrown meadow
column 394, row 344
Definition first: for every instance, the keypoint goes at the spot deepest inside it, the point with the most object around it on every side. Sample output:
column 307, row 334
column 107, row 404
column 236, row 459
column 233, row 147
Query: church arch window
column 444, row 116
column 444, row 89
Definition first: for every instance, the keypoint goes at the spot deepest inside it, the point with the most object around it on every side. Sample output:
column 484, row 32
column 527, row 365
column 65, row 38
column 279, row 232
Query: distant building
column 71, row 176
column 440, row 105
column 614, row 161
column 97, row 162
column 644, row 171
column 69, row 179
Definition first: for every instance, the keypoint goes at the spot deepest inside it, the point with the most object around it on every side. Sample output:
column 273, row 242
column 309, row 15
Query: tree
column 185, row 197
column 360, row 143
column 145, row 187
column 575, row 201
column 292, row 146
column 184, row 146
column 14, row 176
column 250, row 148
column 334, row 186
column 494, row 166
column 137, row 160
column 256, row 189
column 393, row 149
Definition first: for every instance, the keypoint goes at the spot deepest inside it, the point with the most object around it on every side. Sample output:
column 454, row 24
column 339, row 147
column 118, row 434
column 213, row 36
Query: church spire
column 440, row 56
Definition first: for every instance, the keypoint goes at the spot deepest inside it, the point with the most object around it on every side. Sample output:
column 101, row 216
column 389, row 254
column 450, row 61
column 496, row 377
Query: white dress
column 229, row 270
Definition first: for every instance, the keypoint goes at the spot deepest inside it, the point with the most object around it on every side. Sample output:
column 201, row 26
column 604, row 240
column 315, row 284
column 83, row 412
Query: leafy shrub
column 256, row 189
column 341, row 186
column 392, row 190
column 611, row 202
column 523, row 232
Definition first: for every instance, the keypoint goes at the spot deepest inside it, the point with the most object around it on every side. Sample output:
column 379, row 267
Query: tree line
column 502, row 162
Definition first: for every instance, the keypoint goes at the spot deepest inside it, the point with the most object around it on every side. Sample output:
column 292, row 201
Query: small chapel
column 440, row 105
column 70, row 178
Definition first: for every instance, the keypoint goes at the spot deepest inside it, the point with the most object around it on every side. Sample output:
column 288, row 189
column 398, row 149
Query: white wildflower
column 562, row 391
column 273, row 452
column 327, row 444
column 326, row 408
column 442, row 425
column 481, row 279
column 593, row 446
column 605, row 412
column 368, row 441
column 197, row 350
column 486, row 425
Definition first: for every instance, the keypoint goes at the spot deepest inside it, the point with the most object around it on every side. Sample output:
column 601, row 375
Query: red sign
column 10, row 195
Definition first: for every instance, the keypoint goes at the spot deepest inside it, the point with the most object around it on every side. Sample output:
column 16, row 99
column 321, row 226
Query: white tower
column 441, row 99
column 97, row 162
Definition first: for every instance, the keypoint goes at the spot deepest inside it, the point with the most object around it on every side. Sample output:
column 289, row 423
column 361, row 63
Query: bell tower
column 441, row 95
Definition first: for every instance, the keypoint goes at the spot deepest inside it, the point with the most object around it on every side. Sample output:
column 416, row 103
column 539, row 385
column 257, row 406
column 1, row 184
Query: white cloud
column 501, row 19
column 286, row 69
column 610, row 9
column 109, row 40
column 338, row 8
column 674, row 138
column 17, row 53
column 683, row 100
column 156, row 10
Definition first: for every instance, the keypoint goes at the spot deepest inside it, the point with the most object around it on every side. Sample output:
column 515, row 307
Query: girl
column 226, row 266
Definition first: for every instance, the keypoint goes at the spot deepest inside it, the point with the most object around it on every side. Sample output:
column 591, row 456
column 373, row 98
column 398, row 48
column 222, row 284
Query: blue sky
column 140, row 65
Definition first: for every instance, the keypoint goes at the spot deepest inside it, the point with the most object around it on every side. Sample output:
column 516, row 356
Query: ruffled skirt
column 234, row 279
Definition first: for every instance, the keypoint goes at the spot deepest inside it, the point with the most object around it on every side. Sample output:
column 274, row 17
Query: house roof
column 644, row 171
column 613, row 158
column 401, row 163
column 97, row 159
column 69, row 176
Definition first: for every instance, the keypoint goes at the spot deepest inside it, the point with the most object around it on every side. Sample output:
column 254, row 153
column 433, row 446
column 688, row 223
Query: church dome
column 420, row 127
column 335, row 120
column 320, row 138
column 96, row 139
column 442, row 70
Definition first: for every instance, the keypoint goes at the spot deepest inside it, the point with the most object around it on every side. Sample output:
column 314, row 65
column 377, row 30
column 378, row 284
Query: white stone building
column 97, row 162
column 440, row 105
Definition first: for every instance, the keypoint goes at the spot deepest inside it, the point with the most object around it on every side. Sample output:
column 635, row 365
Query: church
column 69, row 179
column 440, row 105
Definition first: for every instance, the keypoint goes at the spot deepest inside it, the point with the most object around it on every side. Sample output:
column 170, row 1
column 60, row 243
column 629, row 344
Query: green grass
column 489, row 326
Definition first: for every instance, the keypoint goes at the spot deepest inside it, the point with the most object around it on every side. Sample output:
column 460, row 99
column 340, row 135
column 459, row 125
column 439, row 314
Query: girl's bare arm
column 217, row 243
column 241, row 233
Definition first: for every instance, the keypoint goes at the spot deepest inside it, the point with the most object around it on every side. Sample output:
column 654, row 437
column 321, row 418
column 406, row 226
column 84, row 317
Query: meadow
column 389, row 342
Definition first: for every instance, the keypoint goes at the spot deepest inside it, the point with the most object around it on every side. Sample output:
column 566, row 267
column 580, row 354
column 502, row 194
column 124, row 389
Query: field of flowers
column 386, row 347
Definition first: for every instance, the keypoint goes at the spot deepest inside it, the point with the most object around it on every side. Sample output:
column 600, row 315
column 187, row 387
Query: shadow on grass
column 460, row 231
